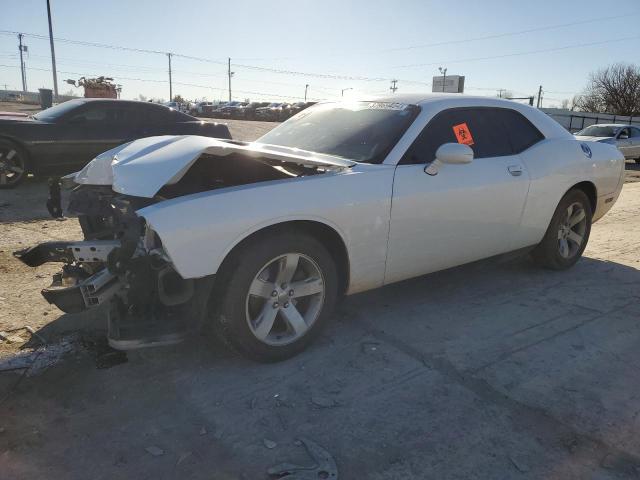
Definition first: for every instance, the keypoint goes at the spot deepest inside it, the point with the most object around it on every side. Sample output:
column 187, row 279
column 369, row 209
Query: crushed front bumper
column 147, row 301
column 75, row 289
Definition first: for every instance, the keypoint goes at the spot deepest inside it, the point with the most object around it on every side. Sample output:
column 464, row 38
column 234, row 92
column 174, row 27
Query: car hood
column 142, row 167
column 12, row 117
column 587, row 138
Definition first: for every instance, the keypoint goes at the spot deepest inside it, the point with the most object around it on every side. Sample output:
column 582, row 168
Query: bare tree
column 614, row 89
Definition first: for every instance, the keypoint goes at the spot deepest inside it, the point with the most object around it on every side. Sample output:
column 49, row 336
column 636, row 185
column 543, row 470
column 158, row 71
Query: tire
column 259, row 310
column 13, row 164
column 559, row 249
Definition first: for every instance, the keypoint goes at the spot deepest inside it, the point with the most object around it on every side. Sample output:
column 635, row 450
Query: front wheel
column 13, row 165
column 568, row 233
column 278, row 292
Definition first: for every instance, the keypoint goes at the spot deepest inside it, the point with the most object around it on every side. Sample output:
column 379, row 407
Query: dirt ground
column 493, row 370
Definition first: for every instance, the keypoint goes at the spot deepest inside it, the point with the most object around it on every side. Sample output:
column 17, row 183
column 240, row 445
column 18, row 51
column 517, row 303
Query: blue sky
column 372, row 39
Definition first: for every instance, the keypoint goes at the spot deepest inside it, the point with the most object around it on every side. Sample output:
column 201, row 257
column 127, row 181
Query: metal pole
column 53, row 53
column 306, row 87
column 170, row 80
column 229, row 73
column 444, row 79
column 24, row 75
column 539, row 97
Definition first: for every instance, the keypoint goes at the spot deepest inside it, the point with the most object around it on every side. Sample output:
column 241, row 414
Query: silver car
column 625, row 137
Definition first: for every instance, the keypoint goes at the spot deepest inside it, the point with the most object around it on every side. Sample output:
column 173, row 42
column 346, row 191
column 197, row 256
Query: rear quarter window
column 522, row 133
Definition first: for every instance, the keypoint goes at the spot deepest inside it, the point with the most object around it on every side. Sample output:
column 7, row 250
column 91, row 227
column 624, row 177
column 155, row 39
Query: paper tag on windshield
column 387, row 106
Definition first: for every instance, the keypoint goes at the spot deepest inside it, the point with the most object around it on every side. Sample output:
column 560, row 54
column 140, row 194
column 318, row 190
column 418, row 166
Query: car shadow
column 474, row 292
column 492, row 340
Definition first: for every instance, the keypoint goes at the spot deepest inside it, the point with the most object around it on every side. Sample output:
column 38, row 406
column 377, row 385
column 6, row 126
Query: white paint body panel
column 396, row 221
column 199, row 230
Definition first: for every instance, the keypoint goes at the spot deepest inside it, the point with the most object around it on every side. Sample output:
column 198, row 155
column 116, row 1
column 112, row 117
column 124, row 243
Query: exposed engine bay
column 121, row 264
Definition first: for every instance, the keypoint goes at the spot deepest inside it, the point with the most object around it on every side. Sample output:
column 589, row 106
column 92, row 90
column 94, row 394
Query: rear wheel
column 13, row 164
column 278, row 292
column 568, row 233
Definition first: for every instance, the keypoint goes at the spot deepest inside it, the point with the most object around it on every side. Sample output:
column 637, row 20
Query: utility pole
column 500, row 92
column 230, row 73
column 344, row 90
column 170, row 80
column 393, row 86
column 444, row 77
column 22, row 48
column 306, row 87
column 539, row 97
column 53, row 53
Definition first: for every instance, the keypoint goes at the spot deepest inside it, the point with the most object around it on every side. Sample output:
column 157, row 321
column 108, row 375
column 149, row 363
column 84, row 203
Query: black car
column 67, row 136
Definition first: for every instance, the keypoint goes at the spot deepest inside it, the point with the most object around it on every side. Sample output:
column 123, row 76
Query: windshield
column 599, row 131
column 53, row 113
column 360, row 131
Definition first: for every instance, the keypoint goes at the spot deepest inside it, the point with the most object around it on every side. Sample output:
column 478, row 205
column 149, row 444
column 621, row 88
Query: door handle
column 515, row 170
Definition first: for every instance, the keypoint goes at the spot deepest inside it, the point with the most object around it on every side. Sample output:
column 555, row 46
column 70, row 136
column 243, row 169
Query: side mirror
column 623, row 136
column 451, row 153
column 454, row 153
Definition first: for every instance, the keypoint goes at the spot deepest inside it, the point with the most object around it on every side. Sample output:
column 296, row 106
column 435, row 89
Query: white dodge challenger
column 260, row 239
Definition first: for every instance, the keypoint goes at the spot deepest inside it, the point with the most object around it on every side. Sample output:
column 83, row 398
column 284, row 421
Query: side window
column 624, row 133
column 155, row 114
column 480, row 128
column 91, row 114
column 522, row 133
column 635, row 132
column 101, row 113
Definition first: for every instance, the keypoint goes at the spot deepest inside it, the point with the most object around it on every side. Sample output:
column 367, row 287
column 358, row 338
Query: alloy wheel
column 285, row 299
column 571, row 231
column 11, row 166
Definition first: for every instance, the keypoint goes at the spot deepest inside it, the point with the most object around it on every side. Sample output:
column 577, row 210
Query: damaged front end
column 120, row 265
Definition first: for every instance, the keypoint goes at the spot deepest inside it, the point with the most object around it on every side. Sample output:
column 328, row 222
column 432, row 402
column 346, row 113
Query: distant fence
column 576, row 121
column 28, row 97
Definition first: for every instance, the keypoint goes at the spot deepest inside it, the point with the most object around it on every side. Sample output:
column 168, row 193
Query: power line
column 517, row 54
column 463, row 40
column 509, row 34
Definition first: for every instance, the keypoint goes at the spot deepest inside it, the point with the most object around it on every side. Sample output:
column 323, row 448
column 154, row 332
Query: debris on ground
column 203, row 431
column 323, row 401
column 35, row 361
column 520, row 466
column 183, row 457
column 105, row 356
column 155, row 451
column 324, row 465
column 269, row 443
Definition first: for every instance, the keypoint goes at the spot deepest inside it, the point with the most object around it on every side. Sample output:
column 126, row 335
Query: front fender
column 198, row 231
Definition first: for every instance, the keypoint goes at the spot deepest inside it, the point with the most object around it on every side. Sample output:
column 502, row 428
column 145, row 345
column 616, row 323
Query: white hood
column 142, row 167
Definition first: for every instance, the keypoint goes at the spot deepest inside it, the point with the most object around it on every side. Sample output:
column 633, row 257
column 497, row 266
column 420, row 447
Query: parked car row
column 65, row 137
column 265, row 111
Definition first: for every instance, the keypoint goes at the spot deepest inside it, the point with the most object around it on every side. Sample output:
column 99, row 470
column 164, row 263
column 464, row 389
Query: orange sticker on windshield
column 463, row 134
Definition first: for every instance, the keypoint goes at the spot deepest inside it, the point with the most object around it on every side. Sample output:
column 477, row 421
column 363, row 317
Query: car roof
column 427, row 98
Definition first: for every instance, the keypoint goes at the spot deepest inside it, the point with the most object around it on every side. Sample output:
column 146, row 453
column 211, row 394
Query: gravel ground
column 491, row 370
